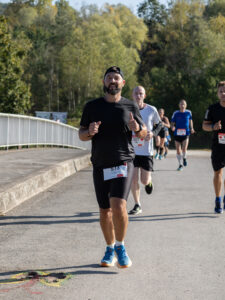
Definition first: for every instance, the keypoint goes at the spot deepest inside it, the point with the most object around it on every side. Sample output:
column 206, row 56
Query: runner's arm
column 166, row 123
column 84, row 134
column 207, row 126
column 157, row 128
column 142, row 133
column 191, row 126
column 173, row 126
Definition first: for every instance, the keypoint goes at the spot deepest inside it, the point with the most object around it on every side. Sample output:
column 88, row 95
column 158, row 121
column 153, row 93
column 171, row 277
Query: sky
column 132, row 4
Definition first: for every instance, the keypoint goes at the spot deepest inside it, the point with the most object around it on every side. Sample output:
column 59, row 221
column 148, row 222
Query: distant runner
column 160, row 139
column 182, row 126
column 215, row 121
column 143, row 148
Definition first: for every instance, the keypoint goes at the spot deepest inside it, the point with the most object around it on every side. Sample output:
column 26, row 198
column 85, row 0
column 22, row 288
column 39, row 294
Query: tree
column 14, row 92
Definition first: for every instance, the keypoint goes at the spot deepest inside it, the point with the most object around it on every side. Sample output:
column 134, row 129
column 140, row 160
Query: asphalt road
column 176, row 244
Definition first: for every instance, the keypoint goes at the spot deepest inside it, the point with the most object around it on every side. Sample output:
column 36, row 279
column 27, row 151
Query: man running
column 215, row 121
column 143, row 148
column 182, row 126
column 109, row 121
column 160, row 139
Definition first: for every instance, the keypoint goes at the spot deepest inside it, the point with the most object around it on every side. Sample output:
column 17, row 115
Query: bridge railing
column 20, row 130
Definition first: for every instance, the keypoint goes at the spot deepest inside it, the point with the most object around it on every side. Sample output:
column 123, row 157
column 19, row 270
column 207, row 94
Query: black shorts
column 180, row 138
column 144, row 162
column 218, row 158
column 118, row 187
column 162, row 133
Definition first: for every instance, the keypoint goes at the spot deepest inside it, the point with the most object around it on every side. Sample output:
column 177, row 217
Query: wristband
column 212, row 126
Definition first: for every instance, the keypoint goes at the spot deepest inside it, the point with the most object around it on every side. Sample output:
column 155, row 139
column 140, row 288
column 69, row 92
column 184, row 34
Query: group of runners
column 122, row 134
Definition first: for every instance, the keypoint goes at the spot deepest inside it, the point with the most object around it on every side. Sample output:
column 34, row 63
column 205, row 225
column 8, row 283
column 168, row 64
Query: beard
column 111, row 91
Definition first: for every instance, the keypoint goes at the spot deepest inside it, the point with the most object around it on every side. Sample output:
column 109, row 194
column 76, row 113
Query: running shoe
column 149, row 188
column 165, row 155
column 123, row 260
column 180, row 168
column 160, row 157
column 157, row 156
column 218, row 207
column 185, row 162
column 136, row 210
column 109, row 258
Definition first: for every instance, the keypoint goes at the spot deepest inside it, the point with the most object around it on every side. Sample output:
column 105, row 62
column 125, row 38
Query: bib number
column 115, row 172
column 137, row 142
column 221, row 138
column 181, row 132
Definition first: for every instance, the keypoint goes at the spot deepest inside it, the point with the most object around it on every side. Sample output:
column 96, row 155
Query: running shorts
column 144, row 162
column 117, row 187
column 180, row 139
column 162, row 133
column 218, row 158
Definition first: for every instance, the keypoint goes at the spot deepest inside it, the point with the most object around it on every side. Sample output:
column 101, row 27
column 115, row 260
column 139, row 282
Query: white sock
column 111, row 246
column 184, row 155
column 119, row 243
column 179, row 157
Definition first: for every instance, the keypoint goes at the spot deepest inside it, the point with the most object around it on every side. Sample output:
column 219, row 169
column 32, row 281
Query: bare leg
column 107, row 226
column 185, row 145
column 178, row 147
column 218, row 181
column 119, row 217
column 135, row 188
column 146, row 177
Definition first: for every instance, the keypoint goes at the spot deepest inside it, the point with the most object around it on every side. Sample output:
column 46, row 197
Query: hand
column 217, row 126
column 173, row 128
column 192, row 131
column 93, row 127
column 132, row 124
column 149, row 135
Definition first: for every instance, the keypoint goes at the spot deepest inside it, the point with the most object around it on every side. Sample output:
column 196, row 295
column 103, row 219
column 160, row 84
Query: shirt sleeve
column 85, row 118
column 208, row 115
column 156, row 118
column 137, row 115
column 173, row 119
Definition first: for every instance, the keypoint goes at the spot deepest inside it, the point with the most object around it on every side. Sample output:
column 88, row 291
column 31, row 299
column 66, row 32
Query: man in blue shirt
column 182, row 126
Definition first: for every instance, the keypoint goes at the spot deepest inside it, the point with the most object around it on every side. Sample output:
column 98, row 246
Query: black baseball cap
column 114, row 69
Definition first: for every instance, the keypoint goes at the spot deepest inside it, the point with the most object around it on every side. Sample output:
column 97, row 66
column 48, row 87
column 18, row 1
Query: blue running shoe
column 180, row 168
column 109, row 258
column 218, row 207
column 123, row 260
column 185, row 162
column 157, row 156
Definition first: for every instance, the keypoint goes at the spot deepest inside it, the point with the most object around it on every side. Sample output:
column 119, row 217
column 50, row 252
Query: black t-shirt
column 112, row 144
column 216, row 113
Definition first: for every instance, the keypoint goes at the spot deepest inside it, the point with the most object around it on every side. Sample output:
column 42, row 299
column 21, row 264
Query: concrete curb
column 36, row 184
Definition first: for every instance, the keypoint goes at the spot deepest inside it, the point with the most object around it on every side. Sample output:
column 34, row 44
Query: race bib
column 115, row 172
column 181, row 131
column 137, row 142
column 221, row 138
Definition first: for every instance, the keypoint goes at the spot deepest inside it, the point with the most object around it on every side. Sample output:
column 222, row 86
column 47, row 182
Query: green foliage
column 184, row 57
column 14, row 92
column 71, row 50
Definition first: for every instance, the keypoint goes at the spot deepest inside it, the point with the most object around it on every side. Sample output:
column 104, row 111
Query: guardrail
column 20, row 130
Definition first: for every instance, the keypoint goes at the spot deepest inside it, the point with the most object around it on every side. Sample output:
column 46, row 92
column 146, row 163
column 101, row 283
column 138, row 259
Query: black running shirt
column 112, row 144
column 216, row 113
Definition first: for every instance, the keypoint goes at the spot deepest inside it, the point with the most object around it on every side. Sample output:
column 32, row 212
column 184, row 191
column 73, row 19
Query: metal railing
column 20, row 130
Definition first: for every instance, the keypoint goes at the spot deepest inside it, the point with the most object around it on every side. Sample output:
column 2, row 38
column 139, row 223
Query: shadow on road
column 82, row 217
column 166, row 217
